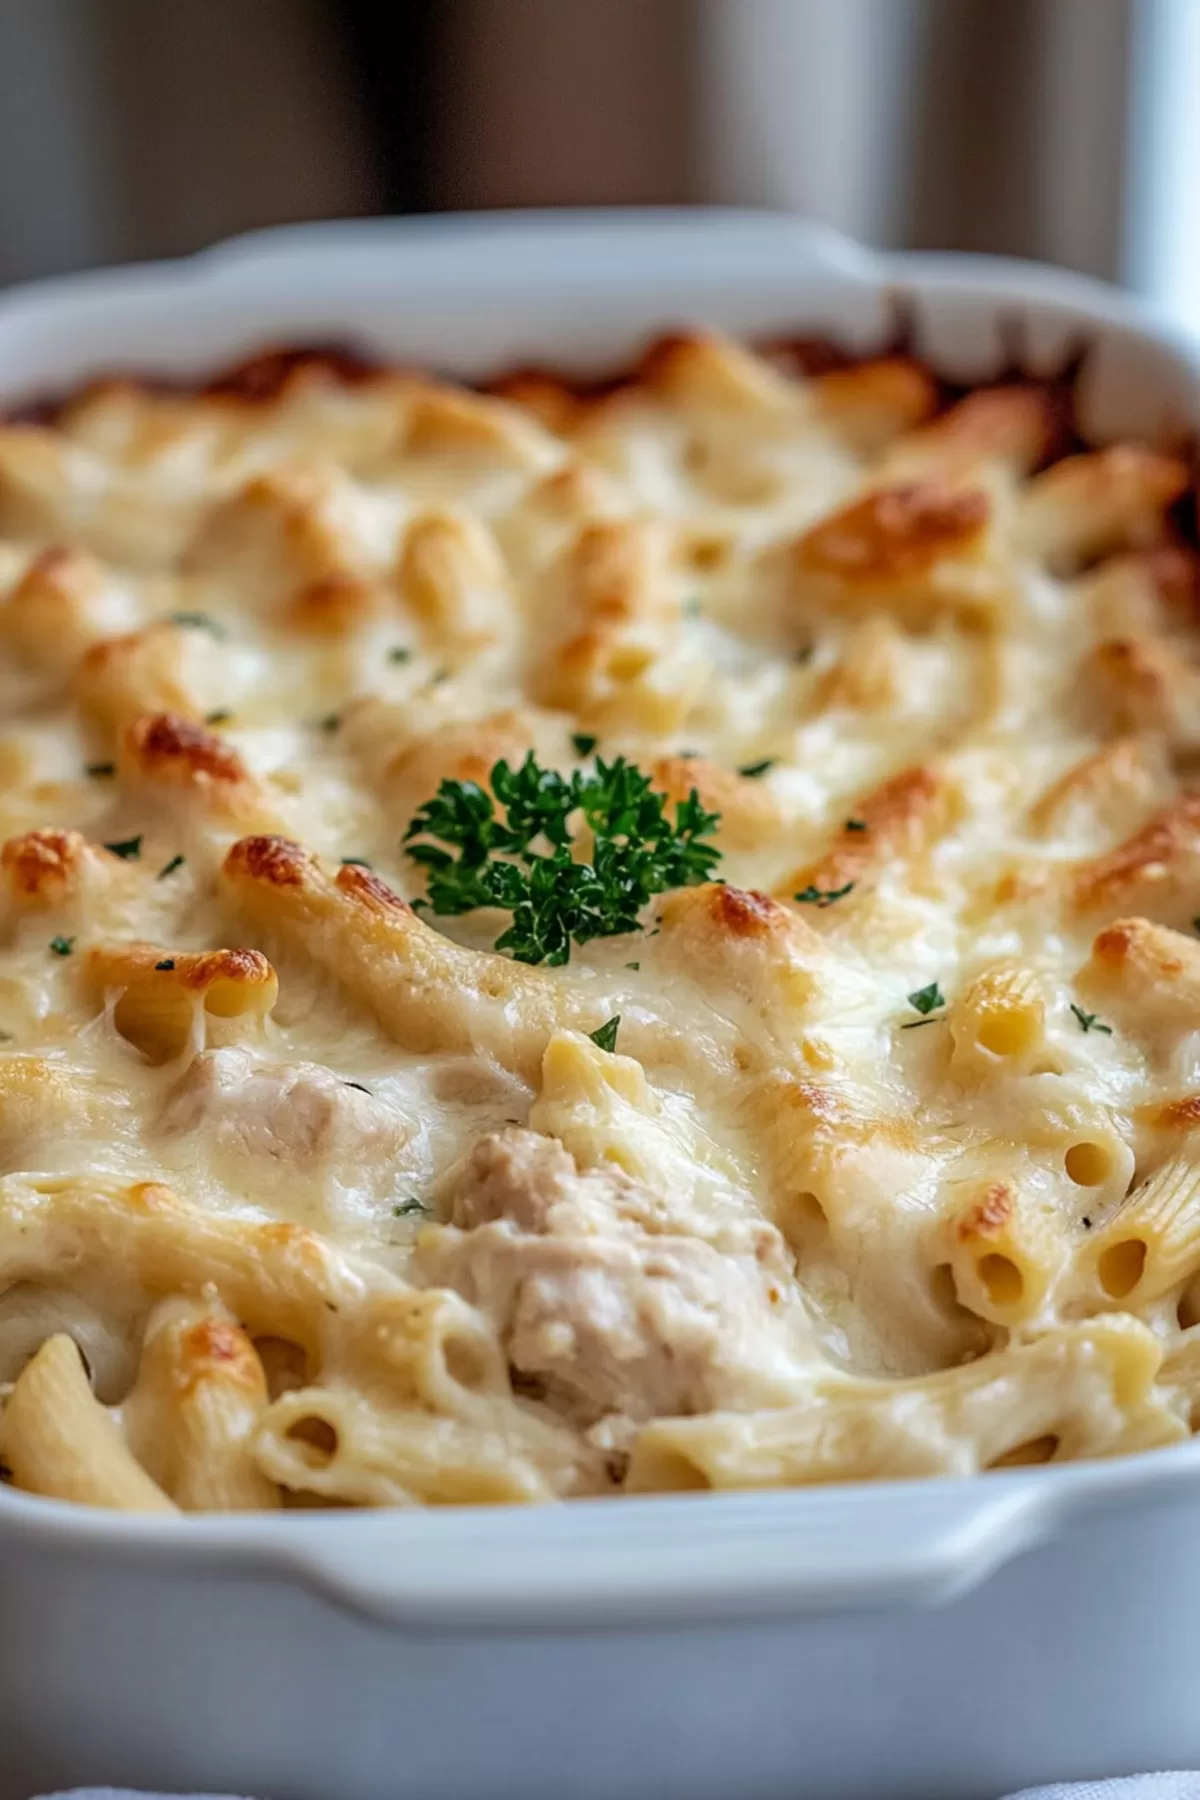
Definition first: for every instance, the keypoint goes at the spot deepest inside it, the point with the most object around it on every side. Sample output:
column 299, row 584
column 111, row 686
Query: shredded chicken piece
column 298, row 1117
column 603, row 1300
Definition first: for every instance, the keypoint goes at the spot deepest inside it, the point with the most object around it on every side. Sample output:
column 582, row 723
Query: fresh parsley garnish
column 198, row 621
column 916, row 1024
column 405, row 1209
column 584, row 743
column 355, row 862
column 358, row 1086
column 329, row 723
column 605, row 1038
column 129, row 849
column 927, row 999
column 815, row 896
column 100, row 769
column 399, row 653
column 176, row 862
column 636, row 852
column 753, row 770
column 1090, row 1021
column 1086, row 1222
column 168, row 962
column 633, row 965
column 856, row 824
column 62, row 946
column 222, row 716
column 804, row 654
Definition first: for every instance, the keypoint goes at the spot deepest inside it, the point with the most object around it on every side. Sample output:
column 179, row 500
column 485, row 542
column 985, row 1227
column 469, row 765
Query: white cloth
column 1179, row 1786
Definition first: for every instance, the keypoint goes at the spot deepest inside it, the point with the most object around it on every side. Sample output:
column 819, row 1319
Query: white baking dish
column 936, row 1641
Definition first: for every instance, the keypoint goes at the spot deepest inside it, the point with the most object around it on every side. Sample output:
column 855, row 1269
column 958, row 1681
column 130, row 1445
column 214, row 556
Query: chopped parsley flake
column 62, row 946
column 814, row 896
column 1090, row 1021
column 198, row 621
column 176, row 862
column 355, row 862
column 358, row 1086
column 329, row 723
column 6, row 1037
column 606, row 1037
column 129, row 849
column 407, row 1209
column 753, row 770
column 222, row 716
column 856, row 824
column 1086, row 1222
column 916, row 1024
column 100, row 769
column 804, row 655
column 168, row 962
column 927, row 999
column 399, row 653
column 584, row 743
column 636, row 965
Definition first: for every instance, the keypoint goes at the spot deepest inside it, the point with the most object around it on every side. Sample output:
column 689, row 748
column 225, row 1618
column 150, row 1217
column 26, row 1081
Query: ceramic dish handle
column 527, row 242
column 530, row 1569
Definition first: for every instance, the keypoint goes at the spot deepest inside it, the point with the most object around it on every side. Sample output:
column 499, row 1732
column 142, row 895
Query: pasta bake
column 574, row 940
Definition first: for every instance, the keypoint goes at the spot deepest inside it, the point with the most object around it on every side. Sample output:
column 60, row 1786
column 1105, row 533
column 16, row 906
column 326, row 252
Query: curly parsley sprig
column 555, row 897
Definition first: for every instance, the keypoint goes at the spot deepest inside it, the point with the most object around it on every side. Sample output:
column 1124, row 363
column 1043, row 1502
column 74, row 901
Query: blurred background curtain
column 148, row 127
column 1000, row 125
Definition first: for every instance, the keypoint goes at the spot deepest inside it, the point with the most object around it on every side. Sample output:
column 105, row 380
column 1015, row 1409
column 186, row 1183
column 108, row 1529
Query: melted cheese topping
column 892, row 1168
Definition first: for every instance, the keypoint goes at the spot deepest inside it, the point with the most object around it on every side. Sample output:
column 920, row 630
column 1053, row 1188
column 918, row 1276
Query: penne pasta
column 191, row 1415
column 59, row 1441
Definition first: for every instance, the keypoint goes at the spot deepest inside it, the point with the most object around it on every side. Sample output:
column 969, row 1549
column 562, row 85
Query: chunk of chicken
column 270, row 1124
column 604, row 1299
